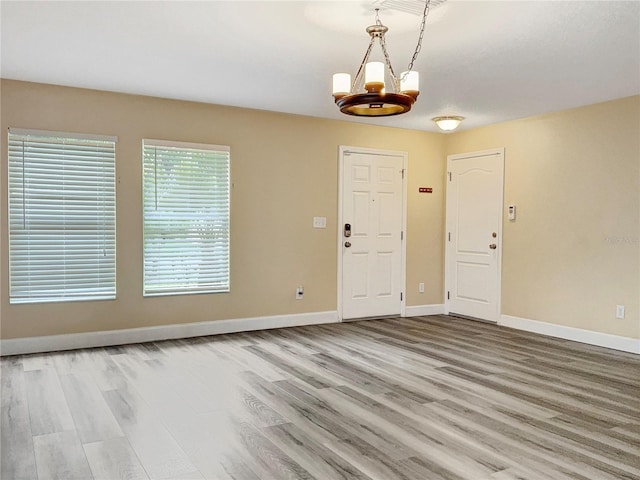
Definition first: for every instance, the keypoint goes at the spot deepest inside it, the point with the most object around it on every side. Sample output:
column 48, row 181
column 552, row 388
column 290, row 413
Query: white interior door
column 371, row 233
column 474, row 233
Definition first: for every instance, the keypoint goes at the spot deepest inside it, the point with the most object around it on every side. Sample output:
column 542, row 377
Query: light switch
column 319, row 222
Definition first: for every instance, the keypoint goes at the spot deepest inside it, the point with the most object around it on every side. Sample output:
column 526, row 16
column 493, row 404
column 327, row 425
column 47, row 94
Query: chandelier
column 367, row 96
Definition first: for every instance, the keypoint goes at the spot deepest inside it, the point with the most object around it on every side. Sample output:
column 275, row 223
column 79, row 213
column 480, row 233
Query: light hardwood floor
column 418, row 398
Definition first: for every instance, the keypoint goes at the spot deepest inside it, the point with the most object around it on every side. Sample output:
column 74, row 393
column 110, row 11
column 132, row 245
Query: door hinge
column 449, row 236
column 401, row 235
column 403, row 173
column 401, row 296
column 449, row 175
column 448, row 296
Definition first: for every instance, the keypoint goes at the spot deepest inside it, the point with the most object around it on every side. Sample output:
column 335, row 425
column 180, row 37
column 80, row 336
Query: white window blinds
column 186, row 217
column 61, row 217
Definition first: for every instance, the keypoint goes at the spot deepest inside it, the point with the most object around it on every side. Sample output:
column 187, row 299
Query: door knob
column 493, row 246
column 347, row 244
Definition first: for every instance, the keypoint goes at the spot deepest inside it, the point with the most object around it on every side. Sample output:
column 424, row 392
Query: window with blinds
column 186, row 218
column 61, row 217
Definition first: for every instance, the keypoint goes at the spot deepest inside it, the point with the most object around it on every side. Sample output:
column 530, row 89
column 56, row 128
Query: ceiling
column 487, row 61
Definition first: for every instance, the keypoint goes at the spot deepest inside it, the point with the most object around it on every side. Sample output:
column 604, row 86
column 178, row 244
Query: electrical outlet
column 619, row 311
column 299, row 292
column 421, row 287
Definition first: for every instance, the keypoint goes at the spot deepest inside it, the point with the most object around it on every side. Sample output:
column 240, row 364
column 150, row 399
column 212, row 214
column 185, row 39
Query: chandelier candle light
column 367, row 95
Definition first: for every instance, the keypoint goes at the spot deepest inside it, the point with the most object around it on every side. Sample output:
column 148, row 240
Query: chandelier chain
column 422, row 27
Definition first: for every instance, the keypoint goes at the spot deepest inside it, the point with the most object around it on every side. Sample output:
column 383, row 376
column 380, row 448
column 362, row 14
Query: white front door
column 371, row 237
column 474, row 233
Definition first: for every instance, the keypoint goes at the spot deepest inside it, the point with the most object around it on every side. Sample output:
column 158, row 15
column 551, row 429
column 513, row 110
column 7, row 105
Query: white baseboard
column 17, row 346
column 616, row 342
column 422, row 310
column 71, row 341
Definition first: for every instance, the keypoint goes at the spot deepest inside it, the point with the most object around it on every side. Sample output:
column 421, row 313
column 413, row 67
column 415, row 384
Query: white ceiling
column 487, row 61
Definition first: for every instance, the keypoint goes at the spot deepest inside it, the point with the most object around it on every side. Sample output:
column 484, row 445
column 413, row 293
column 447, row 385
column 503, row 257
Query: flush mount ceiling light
column 448, row 123
column 367, row 96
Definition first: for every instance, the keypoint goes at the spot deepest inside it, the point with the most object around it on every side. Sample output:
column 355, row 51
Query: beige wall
column 284, row 172
column 573, row 253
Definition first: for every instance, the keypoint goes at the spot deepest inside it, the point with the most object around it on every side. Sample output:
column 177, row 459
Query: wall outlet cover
column 319, row 222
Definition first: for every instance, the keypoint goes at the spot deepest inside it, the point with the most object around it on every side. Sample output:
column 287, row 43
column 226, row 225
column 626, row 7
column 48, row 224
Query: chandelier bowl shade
column 448, row 123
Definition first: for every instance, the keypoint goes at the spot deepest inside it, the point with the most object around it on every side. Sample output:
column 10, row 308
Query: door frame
column 448, row 255
column 342, row 150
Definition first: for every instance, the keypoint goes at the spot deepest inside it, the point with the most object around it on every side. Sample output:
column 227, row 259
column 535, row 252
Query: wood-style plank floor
column 433, row 398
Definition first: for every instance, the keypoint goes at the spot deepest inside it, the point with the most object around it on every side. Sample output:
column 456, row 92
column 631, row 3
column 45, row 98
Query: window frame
column 185, row 148
column 59, row 225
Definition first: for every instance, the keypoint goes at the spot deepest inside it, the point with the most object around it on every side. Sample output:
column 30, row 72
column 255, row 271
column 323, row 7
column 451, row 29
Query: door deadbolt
column 494, row 234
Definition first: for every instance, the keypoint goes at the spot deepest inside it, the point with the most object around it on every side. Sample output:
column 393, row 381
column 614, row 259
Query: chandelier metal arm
column 359, row 74
column 396, row 83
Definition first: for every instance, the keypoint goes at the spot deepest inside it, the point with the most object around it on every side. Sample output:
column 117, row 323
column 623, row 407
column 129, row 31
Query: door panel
column 360, row 215
column 472, row 282
column 359, row 283
column 372, row 193
column 387, row 214
column 384, row 275
column 474, row 234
